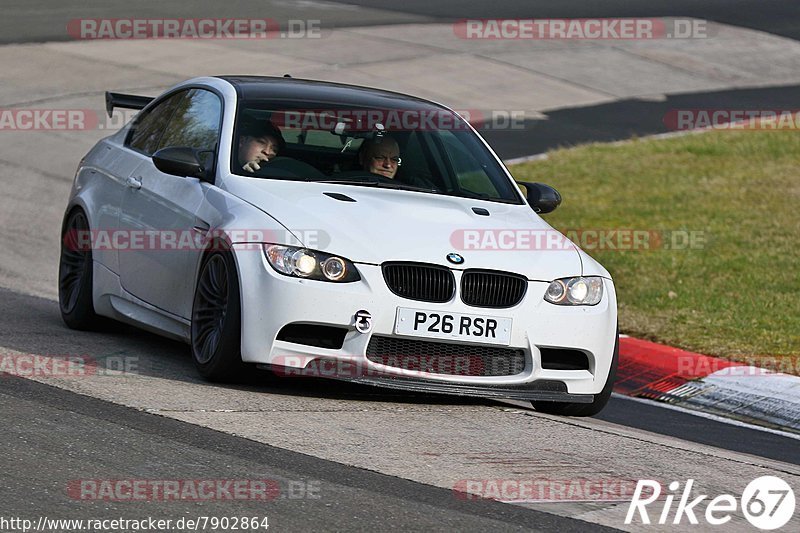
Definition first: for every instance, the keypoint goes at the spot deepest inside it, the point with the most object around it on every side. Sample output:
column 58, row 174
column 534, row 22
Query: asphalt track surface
column 624, row 119
column 51, row 433
column 74, row 431
column 779, row 17
column 33, row 325
column 56, row 436
column 43, row 20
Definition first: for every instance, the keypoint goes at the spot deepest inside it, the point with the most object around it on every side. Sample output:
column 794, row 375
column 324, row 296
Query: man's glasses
column 386, row 159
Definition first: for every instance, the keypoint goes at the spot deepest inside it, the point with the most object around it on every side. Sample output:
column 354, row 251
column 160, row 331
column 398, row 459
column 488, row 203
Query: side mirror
column 542, row 198
column 179, row 161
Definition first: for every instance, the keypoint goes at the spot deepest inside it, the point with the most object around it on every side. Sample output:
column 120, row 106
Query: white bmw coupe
column 338, row 231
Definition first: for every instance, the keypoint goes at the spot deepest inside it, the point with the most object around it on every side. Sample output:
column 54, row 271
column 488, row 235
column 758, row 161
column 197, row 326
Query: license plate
column 453, row 326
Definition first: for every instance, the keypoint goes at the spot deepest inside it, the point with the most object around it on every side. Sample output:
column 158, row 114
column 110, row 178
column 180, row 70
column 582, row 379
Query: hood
column 373, row 225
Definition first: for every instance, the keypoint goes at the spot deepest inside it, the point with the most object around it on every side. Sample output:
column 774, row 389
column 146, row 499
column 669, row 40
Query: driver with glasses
column 380, row 155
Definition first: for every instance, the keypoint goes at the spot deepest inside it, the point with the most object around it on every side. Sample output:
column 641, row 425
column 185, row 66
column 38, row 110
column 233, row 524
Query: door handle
column 134, row 183
column 201, row 226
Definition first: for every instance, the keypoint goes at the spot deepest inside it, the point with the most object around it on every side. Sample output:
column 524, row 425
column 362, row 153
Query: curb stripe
column 657, row 372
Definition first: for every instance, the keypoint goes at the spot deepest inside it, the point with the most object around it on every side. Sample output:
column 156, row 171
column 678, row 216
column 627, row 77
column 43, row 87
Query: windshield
column 428, row 150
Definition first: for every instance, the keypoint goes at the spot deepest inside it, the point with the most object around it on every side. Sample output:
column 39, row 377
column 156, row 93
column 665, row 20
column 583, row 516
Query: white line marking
column 709, row 416
column 621, row 142
column 525, row 159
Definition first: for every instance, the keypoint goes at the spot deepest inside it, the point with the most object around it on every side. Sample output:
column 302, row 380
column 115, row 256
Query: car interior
column 432, row 160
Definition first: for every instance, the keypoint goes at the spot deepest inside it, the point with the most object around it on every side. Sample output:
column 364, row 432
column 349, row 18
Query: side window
column 147, row 130
column 195, row 122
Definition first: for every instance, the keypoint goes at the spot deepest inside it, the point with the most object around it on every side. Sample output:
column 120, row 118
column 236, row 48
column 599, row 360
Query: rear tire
column 216, row 320
column 75, row 275
column 585, row 409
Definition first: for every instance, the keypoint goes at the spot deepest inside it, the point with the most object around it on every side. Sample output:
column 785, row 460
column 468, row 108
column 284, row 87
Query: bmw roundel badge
column 455, row 258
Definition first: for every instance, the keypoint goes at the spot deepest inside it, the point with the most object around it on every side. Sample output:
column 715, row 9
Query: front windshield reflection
column 431, row 150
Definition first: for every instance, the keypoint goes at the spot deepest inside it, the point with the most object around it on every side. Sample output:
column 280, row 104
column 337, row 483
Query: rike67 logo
column 767, row 503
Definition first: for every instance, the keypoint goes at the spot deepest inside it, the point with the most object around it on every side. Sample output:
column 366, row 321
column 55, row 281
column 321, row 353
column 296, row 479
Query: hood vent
column 339, row 196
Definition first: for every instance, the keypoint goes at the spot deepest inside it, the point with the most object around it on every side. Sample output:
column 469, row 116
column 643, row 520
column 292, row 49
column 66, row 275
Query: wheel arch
column 75, row 205
column 220, row 243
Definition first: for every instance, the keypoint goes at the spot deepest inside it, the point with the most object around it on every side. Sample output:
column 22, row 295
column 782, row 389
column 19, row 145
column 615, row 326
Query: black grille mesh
column 445, row 358
column 427, row 283
column 492, row 289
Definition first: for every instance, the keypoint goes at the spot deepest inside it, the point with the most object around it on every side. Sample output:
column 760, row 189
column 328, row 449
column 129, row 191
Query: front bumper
column 270, row 301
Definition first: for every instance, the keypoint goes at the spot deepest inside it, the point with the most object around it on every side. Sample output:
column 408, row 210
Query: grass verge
column 720, row 271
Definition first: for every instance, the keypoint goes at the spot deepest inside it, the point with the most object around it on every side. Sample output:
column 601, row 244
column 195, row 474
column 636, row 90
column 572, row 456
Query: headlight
column 310, row 264
column 575, row 291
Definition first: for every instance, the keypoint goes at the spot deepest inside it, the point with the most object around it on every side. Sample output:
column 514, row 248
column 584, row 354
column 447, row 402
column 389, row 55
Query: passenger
column 259, row 142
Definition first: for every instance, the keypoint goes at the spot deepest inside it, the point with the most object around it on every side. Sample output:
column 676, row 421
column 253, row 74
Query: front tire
column 216, row 320
column 585, row 409
column 75, row 275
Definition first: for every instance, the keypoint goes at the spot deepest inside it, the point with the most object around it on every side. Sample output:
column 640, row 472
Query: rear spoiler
column 127, row 101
